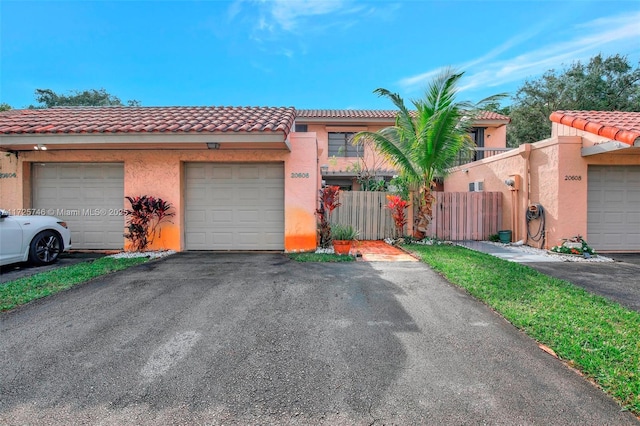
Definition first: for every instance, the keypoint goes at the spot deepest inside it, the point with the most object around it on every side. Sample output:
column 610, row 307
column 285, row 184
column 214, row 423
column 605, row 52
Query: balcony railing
column 478, row 154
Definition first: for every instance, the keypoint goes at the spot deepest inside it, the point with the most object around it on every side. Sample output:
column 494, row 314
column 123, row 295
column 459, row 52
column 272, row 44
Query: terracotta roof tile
column 346, row 113
column 490, row 115
column 147, row 119
column 377, row 114
column 615, row 125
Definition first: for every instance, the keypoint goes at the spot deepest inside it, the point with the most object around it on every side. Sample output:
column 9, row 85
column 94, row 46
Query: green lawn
column 23, row 290
column 321, row 257
column 590, row 333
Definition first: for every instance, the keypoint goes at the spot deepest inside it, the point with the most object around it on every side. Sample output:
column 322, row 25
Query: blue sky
column 302, row 53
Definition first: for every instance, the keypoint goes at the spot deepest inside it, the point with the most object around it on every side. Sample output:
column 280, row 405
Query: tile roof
column 490, row 115
column 175, row 120
column 147, row 119
column 615, row 125
column 347, row 113
column 376, row 113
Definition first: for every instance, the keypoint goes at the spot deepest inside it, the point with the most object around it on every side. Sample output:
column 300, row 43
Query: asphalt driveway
column 618, row 281
column 256, row 338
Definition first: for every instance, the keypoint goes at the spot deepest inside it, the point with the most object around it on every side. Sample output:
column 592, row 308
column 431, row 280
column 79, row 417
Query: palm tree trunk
column 425, row 210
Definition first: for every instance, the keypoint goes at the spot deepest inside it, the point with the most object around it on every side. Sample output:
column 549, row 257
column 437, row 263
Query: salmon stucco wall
column 492, row 172
column 556, row 179
column 495, row 137
column 159, row 173
column 301, row 193
column 11, row 174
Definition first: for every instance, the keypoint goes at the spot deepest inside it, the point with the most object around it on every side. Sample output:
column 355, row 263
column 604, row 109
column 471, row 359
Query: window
column 301, row 128
column 340, row 145
column 477, row 135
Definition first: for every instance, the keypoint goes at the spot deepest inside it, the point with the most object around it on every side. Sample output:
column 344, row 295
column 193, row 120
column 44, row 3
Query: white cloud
column 289, row 14
column 608, row 35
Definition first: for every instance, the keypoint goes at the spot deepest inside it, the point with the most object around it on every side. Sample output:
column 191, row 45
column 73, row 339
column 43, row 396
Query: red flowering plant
column 144, row 218
column 329, row 201
column 397, row 205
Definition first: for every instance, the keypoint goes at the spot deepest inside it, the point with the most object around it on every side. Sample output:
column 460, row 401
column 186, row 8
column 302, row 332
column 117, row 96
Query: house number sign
column 572, row 177
column 299, row 175
column 7, row 175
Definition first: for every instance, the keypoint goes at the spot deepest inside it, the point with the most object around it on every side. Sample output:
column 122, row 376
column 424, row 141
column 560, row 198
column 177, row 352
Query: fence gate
column 456, row 215
column 466, row 215
column 366, row 211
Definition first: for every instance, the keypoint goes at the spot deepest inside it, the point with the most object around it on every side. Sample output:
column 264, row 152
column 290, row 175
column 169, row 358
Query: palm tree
column 424, row 144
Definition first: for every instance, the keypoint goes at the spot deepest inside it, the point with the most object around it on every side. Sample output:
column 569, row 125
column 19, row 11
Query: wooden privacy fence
column 366, row 211
column 456, row 215
column 466, row 215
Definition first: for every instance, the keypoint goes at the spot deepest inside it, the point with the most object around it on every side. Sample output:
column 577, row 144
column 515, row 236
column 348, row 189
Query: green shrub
column 343, row 232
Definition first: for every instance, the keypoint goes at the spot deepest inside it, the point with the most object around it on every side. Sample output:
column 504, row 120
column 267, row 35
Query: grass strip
column 596, row 336
column 23, row 290
column 321, row 257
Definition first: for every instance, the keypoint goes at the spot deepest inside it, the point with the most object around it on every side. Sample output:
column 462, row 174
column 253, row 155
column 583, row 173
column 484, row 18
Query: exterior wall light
column 324, row 169
column 213, row 145
column 40, row 147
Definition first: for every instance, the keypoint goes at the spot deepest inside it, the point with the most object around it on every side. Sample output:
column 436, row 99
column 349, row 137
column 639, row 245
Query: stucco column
column 301, row 193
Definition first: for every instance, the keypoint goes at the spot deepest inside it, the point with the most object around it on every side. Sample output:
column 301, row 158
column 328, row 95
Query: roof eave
column 26, row 141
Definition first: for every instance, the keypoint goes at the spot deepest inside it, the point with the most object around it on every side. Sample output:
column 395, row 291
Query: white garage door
column 88, row 196
column 613, row 220
column 234, row 206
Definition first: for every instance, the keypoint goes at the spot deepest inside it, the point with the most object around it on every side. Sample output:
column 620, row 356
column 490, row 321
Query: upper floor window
column 477, row 135
column 340, row 145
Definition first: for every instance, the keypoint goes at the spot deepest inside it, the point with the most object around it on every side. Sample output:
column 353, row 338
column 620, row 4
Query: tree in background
column 5, row 107
column 47, row 98
column 604, row 84
column 425, row 143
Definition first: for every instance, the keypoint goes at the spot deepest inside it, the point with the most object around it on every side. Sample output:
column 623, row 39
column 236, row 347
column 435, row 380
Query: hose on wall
column 536, row 212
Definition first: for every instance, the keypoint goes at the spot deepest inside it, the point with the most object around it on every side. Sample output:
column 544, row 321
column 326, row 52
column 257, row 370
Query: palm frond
column 391, row 145
column 403, row 119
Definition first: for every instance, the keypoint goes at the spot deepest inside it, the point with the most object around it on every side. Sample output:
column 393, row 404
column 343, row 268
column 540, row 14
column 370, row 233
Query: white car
column 36, row 239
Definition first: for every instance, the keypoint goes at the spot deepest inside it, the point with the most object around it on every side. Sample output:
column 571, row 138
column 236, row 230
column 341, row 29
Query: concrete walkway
column 506, row 252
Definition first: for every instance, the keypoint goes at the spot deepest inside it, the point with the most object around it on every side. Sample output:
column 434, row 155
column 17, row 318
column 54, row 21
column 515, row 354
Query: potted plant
column 343, row 236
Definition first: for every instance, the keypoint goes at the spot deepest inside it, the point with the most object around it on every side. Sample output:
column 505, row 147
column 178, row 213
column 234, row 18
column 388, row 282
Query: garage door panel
column 247, row 217
column 86, row 192
column 613, row 218
column 196, row 237
column 195, row 216
column 219, row 241
column 276, row 174
column 250, row 173
column 196, row 171
column 222, row 172
column 614, row 196
column 613, row 214
column 245, row 211
column 248, row 194
column 222, row 217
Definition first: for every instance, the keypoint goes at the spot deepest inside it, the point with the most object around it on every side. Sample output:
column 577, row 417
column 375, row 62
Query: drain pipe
column 525, row 153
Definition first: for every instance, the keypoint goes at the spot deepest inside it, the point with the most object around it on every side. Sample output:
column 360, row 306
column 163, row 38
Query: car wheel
column 45, row 248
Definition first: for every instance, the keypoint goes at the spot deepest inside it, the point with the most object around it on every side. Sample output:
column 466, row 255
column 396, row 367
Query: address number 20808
column 299, row 175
